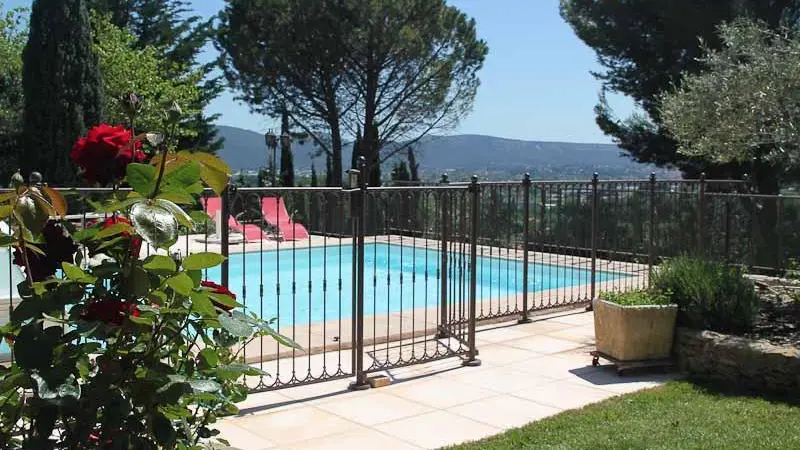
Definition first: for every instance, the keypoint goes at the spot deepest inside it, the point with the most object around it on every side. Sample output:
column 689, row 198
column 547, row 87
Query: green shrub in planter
column 636, row 298
column 710, row 295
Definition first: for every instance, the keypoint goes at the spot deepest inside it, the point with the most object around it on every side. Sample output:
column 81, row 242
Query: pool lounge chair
column 251, row 233
column 275, row 214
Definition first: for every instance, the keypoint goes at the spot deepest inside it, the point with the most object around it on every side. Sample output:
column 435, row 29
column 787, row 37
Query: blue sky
column 536, row 83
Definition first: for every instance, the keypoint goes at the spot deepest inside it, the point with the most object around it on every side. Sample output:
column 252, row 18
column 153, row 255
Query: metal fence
column 393, row 276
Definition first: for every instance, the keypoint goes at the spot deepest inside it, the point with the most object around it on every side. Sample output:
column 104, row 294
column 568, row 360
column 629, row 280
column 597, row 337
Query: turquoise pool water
column 316, row 283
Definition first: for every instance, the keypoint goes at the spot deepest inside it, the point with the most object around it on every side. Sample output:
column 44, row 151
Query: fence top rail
column 436, row 187
column 405, row 186
column 284, row 190
column 753, row 196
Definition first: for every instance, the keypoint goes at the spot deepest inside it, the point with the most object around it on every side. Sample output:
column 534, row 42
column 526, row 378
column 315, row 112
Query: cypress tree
column 287, row 158
column 413, row 165
column 63, row 87
column 314, row 180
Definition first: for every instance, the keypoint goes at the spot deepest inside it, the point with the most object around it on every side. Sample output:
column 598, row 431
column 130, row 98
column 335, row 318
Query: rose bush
column 105, row 152
column 116, row 351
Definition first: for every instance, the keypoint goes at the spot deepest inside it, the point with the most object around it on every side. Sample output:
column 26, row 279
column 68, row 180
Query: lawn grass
column 679, row 415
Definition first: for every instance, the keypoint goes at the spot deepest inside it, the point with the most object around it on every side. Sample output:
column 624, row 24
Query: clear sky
column 536, row 83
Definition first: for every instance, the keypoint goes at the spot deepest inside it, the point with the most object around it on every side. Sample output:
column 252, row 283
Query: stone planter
column 634, row 333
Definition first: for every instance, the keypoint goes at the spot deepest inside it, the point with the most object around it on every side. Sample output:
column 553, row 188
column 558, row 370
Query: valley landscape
column 491, row 158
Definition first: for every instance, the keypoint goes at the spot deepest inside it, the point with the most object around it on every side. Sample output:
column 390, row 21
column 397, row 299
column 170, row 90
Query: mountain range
column 489, row 157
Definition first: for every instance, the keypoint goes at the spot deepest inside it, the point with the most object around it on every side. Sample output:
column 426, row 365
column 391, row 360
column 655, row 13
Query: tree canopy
column 179, row 35
column 396, row 69
column 142, row 70
column 645, row 47
column 746, row 104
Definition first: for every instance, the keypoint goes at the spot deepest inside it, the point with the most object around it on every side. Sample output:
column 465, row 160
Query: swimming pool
column 316, row 283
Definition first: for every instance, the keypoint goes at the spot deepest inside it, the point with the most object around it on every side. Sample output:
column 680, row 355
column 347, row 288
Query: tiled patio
column 529, row 372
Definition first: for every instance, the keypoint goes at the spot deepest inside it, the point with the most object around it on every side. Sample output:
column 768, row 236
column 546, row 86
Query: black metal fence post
column 445, row 221
column 224, row 233
column 727, row 242
column 359, row 217
column 651, row 239
column 701, row 208
column 474, row 190
column 595, row 225
column 779, row 233
column 526, row 198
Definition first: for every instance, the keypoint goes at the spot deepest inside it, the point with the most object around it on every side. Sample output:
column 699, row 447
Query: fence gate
column 414, row 283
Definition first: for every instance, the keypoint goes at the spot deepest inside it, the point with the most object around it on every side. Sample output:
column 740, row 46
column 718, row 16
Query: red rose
column 105, row 153
column 58, row 247
column 135, row 242
column 221, row 290
column 112, row 312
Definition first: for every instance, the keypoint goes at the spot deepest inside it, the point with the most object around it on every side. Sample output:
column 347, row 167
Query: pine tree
column 287, row 158
column 63, row 87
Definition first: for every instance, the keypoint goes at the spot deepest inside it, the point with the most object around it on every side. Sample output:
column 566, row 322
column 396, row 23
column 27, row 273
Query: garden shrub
column 710, row 296
column 636, row 298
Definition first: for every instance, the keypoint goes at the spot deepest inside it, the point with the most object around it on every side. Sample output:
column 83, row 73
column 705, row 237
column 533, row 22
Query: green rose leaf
column 77, row 274
column 200, row 261
column 208, row 386
column 113, row 230
column 283, row 340
column 224, row 300
column 202, row 305
column 163, row 430
column 235, row 325
column 176, row 211
column 141, row 177
column 138, row 282
column 118, row 205
column 160, row 264
column 209, row 357
column 144, row 320
column 174, row 412
column 213, row 171
column 155, row 224
column 180, row 198
column 6, row 240
column 232, row 371
column 181, row 283
column 182, row 177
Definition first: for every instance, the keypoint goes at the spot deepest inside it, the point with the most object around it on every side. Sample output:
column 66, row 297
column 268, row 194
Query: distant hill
column 490, row 157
